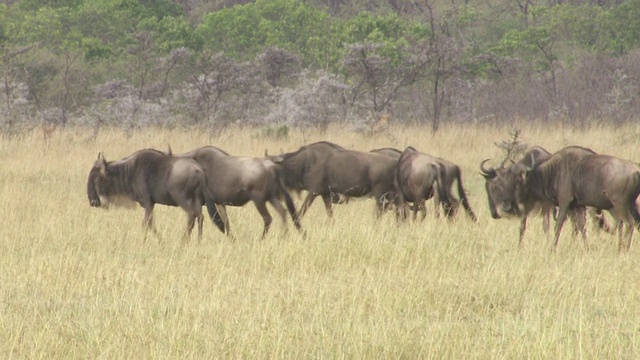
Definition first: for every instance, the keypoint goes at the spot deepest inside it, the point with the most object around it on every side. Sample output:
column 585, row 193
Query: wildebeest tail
column 212, row 208
column 287, row 198
column 442, row 192
column 463, row 197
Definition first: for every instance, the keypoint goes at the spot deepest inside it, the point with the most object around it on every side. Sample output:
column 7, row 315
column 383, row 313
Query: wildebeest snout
column 94, row 202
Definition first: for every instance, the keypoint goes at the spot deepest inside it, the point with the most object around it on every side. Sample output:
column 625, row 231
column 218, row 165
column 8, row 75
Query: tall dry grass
column 78, row 282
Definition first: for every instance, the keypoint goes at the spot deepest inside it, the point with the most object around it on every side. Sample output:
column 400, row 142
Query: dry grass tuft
column 79, row 282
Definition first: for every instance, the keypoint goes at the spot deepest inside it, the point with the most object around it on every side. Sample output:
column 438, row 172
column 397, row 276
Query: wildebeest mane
column 557, row 169
column 306, row 147
column 122, row 173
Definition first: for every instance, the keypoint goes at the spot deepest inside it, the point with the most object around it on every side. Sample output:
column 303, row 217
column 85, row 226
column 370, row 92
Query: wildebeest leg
column 261, row 205
column 326, row 198
column 626, row 213
column 292, row 209
column 562, row 216
column 402, row 209
column 437, row 202
column 423, row 209
column 416, row 206
column 222, row 212
column 523, row 229
column 450, row 206
column 280, row 210
column 307, row 202
column 579, row 219
column 148, row 222
column 191, row 221
column 200, row 222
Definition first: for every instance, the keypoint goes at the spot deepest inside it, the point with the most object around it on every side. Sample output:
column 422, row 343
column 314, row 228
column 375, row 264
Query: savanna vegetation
column 132, row 64
column 453, row 79
column 79, row 282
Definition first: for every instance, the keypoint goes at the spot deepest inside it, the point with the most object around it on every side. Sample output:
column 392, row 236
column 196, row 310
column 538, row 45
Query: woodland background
column 280, row 64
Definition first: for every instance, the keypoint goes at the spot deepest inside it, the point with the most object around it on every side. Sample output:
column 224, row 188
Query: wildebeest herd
column 572, row 182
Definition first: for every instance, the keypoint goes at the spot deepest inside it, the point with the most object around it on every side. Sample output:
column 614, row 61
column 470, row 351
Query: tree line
column 135, row 63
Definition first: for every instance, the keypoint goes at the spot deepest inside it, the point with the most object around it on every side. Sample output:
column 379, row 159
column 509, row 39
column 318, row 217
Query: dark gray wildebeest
column 576, row 177
column 418, row 176
column 151, row 177
column 236, row 180
column 451, row 173
column 325, row 169
column 504, row 184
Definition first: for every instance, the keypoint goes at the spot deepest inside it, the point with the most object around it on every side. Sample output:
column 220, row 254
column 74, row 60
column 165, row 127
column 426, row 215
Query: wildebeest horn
column 266, row 153
column 533, row 163
column 490, row 172
column 102, row 163
column 169, row 151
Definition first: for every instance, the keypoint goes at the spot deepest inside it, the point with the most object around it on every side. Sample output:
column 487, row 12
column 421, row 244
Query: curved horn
column 101, row 163
column 169, row 151
column 533, row 163
column 486, row 172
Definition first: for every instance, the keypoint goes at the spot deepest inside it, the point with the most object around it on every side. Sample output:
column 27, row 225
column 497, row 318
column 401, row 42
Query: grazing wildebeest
column 451, row 173
column 151, row 177
column 503, row 186
column 326, row 169
column 417, row 176
column 576, row 177
column 236, row 180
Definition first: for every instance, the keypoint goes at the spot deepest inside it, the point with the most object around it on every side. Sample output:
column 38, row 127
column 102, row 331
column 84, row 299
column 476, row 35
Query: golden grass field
column 79, row 282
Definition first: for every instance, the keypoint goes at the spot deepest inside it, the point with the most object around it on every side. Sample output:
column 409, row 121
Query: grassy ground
column 78, row 282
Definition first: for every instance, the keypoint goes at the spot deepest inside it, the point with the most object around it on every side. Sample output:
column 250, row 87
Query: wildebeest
column 576, row 177
column 417, row 176
column 326, row 169
column 236, row 180
column 151, row 177
column 504, row 184
column 451, row 173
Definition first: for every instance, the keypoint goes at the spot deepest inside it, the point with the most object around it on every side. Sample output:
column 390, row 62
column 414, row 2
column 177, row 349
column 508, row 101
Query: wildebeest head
column 98, row 183
column 100, row 187
column 504, row 188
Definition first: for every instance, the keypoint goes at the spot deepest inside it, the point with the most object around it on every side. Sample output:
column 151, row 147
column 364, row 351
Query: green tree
column 234, row 31
column 622, row 26
column 244, row 31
